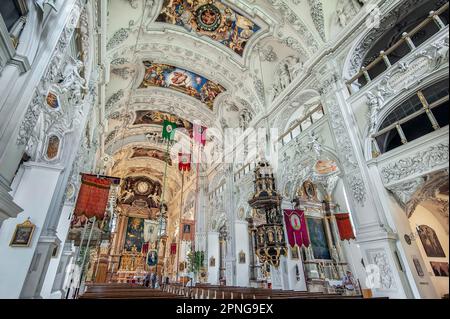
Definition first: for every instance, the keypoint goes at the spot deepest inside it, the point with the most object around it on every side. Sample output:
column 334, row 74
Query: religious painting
column 152, row 153
column 187, row 229
column 212, row 19
column 440, row 269
column 212, row 262
column 430, row 242
column 308, row 191
column 318, row 238
column 53, row 147
column 23, row 234
column 52, row 100
column 181, row 80
column 135, row 234
column 294, row 253
column 158, row 118
column 152, row 258
column 325, row 167
column 242, row 258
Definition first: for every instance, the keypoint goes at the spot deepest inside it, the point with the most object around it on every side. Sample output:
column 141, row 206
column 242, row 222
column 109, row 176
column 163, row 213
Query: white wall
column 34, row 194
column 422, row 216
column 213, row 251
column 242, row 244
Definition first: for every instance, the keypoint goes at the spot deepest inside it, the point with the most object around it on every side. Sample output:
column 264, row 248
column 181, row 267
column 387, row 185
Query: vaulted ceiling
column 199, row 60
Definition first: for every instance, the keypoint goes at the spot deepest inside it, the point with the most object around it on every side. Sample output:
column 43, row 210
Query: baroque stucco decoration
column 419, row 163
column 51, row 76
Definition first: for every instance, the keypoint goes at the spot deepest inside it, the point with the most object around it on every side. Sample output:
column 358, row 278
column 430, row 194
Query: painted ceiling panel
column 158, row 117
column 187, row 82
column 210, row 18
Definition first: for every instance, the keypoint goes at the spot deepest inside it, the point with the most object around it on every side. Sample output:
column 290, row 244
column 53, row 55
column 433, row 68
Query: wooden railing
column 406, row 38
column 298, row 123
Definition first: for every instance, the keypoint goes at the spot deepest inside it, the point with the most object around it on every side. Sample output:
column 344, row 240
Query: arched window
column 421, row 114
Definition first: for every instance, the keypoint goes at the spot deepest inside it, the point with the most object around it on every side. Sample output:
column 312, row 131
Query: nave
column 224, row 149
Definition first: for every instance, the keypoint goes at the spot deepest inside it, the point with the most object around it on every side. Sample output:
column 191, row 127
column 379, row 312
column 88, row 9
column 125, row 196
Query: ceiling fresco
column 158, row 117
column 168, row 76
column 210, row 18
column 151, row 153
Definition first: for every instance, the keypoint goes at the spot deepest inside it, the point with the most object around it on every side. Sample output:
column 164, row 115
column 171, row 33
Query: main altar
column 140, row 232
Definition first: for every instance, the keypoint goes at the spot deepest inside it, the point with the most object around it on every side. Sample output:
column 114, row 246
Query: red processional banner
column 187, row 230
column 345, row 226
column 296, row 228
column 184, row 162
column 173, row 249
column 93, row 196
column 145, row 248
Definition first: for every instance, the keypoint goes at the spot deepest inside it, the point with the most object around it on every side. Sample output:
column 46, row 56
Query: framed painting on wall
column 318, row 238
column 440, row 269
column 294, row 253
column 430, row 242
column 23, row 234
column 418, row 266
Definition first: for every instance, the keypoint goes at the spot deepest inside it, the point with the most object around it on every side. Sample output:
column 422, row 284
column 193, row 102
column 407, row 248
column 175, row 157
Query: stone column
column 376, row 240
column 57, row 289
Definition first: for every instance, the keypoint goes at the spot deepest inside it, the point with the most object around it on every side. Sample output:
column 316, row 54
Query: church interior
column 224, row 149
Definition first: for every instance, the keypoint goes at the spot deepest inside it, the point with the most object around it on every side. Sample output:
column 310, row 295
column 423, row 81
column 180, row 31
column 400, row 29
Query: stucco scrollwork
column 420, row 162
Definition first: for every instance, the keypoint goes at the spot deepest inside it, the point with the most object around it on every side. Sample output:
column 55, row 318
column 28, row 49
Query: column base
column 38, row 268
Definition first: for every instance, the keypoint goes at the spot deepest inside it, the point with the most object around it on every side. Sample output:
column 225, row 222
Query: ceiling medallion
column 209, row 17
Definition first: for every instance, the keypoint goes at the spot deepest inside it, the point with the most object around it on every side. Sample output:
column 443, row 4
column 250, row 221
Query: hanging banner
column 150, row 230
column 184, row 162
column 199, row 134
column 296, row 228
column 345, row 226
column 145, row 248
column 168, row 132
column 93, row 196
column 173, row 249
column 187, row 230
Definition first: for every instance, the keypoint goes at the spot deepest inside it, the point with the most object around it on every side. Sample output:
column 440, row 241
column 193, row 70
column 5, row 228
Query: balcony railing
column 383, row 57
column 301, row 125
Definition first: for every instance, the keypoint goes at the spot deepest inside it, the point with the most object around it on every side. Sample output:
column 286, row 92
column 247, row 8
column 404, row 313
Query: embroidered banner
column 345, row 226
column 150, row 230
column 296, row 228
column 199, row 134
column 184, row 162
column 93, row 196
column 168, row 132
